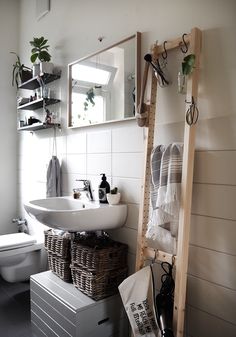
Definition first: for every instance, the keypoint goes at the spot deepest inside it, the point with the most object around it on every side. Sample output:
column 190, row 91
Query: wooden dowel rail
column 157, row 255
column 169, row 45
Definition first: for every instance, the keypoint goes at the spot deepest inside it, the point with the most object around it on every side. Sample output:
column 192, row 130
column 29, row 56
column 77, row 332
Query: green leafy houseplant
column 40, row 50
column 187, row 67
column 20, row 72
column 114, row 190
column 89, row 99
column 188, row 64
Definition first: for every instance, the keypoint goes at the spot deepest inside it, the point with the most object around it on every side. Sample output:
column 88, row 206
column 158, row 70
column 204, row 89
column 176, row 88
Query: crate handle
column 103, row 321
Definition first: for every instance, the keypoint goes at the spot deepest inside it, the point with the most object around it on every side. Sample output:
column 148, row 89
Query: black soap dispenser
column 103, row 189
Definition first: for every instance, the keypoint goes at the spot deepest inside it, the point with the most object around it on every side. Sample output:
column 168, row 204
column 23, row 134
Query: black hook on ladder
column 185, row 49
column 164, row 54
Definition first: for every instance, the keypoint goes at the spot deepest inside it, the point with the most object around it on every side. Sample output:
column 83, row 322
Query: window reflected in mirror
column 103, row 87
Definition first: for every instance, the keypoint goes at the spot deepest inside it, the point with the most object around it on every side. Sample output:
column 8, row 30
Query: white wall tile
column 212, row 233
column 125, row 235
column 214, row 200
column 132, row 218
column 76, row 163
column 60, row 147
column 215, row 167
column 99, row 142
column 217, row 133
column 76, row 142
column 211, row 298
column 69, row 182
column 128, row 139
column 99, row 163
column 130, row 189
column 201, row 324
column 128, row 165
column 212, row 266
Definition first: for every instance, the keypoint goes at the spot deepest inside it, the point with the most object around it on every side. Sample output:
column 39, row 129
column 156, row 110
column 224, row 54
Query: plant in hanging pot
column 186, row 69
column 40, row 52
column 89, row 99
column 20, row 72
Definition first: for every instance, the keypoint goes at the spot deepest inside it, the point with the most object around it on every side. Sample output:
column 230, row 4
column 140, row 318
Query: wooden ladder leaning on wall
column 193, row 39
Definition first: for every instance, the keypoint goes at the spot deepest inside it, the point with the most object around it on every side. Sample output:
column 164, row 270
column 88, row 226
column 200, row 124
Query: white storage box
column 58, row 309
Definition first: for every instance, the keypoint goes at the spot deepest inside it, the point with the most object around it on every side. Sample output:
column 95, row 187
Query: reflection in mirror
column 104, row 87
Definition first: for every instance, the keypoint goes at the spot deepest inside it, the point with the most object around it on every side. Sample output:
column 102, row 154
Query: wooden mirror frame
column 137, row 60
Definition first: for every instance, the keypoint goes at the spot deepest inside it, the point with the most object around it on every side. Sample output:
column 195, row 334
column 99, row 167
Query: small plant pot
column 36, row 69
column 113, row 199
column 46, row 67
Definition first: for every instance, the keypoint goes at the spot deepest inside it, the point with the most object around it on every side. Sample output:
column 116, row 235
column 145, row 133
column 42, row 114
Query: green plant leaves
column 40, row 50
column 33, row 57
column 89, row 99
column 18, row 67
column 44, row 56
column 188, row 64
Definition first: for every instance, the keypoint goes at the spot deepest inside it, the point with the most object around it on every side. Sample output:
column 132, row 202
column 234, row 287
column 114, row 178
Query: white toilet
column 21, row 255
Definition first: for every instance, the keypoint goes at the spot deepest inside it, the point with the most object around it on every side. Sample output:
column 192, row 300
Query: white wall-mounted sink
column 76, row 214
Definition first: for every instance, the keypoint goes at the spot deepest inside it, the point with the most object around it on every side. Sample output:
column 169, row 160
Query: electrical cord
column 165, row 301
column 168, row 283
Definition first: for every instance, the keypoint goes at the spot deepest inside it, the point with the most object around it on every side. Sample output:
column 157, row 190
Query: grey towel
column 54, row 178
column 166, row 172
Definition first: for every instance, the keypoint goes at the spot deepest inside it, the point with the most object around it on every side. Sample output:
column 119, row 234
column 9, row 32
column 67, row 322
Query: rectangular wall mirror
column 105, row 86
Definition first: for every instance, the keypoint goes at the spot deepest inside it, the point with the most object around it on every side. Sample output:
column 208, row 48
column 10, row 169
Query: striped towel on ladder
column 166, row 174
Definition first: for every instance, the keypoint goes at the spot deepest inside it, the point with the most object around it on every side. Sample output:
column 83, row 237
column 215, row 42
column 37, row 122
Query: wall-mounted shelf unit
column 37, row 104
column 38, row 126
column 34, row 82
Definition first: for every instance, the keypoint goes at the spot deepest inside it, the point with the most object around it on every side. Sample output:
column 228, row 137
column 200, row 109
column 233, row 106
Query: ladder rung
column 157, row 255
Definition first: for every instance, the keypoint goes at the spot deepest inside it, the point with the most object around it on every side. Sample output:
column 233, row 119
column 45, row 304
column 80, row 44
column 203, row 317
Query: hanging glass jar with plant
column 89, row 99
column 186, row 69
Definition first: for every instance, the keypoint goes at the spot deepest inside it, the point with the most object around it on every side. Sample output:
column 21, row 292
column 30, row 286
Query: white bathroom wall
column 9, row 26
column 117, row 149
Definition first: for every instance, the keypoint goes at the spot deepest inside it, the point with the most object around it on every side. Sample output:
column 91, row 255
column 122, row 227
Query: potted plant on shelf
column 186, row 69
column 40, row 52
column 113, row 197
column 20, row 72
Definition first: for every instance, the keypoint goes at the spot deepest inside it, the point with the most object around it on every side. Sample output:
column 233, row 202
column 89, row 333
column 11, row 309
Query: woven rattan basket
column 98, row 255
column 97, row 285
column 57, row 244
column 60, row 267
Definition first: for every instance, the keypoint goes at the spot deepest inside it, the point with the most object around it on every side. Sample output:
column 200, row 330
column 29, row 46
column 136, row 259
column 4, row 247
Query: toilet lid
column 16, row 240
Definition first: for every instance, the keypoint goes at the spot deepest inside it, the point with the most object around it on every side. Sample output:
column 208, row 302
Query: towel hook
column 54, row 144
column 185, row 49
column 164, row 54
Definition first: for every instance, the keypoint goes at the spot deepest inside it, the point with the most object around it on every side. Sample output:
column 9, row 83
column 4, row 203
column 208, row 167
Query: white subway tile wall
column 117, row 152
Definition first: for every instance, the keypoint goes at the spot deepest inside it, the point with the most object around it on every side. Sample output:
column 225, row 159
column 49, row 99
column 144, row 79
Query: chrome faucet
column 87, row 188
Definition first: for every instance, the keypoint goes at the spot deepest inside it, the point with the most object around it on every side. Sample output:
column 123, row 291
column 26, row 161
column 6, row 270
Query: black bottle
column 103, row 189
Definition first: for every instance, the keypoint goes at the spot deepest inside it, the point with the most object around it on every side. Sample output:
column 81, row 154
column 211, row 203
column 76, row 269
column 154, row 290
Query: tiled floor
column 15, row 309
